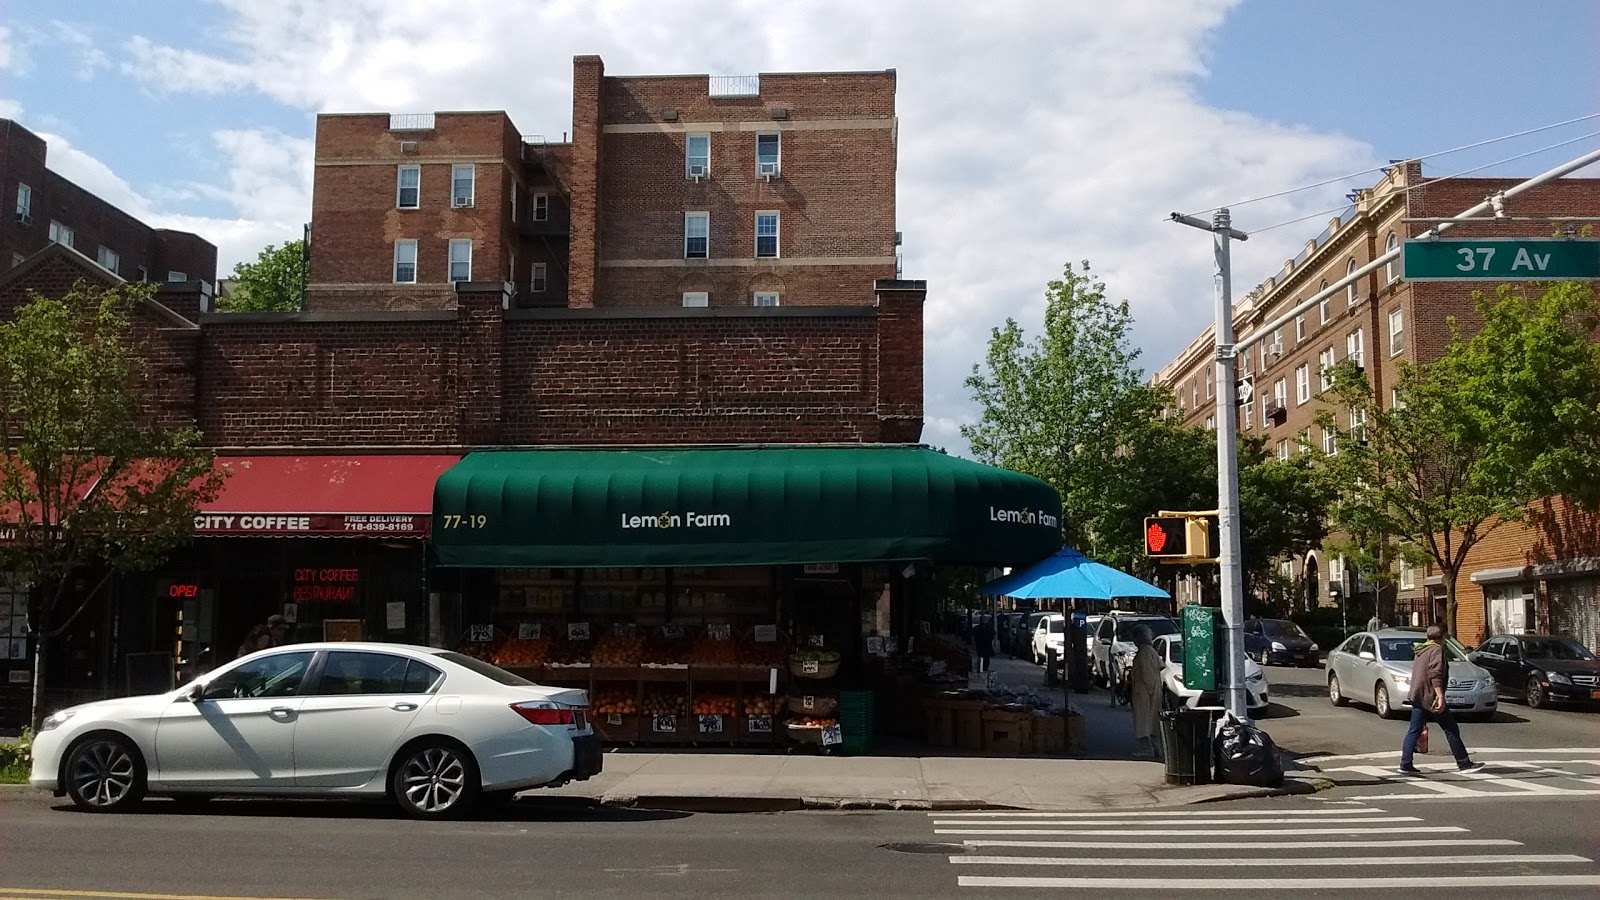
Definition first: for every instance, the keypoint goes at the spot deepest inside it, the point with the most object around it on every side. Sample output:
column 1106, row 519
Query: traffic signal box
column 1178, row 538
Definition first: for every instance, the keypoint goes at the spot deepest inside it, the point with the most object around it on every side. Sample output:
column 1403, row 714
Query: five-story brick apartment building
column 1378, row 322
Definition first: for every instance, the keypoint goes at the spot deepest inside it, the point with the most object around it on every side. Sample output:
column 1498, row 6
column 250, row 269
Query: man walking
column 1429, row 672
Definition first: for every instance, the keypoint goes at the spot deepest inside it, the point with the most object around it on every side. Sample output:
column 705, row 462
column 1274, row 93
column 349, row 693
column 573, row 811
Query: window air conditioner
column 767, row 170
column 408, row 146
column 697, row 172
column 461, row 203
column 1275, row 348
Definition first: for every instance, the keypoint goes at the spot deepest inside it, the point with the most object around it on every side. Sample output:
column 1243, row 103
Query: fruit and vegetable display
column 763, row 653
column 616, row 650
column 664, row 702
column 764, row 705
column 615, row 701
column 515, row 652
column 482, row 650
column 815, row 654
column 568, row 653
column 715, row 705
column 711, row 652
column 812, row 722
column 664, row 651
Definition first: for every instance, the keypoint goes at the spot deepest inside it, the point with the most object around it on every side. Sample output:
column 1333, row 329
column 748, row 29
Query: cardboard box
column 1049, row 734
column 1007, row 733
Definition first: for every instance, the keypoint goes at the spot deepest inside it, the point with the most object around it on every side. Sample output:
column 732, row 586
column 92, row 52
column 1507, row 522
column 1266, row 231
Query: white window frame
column 471, row 197
column 24, row 200
column 1194, row 392
column 689, row 218
column 1249, row 416
column 1280, row 392
column 451, row 261
column 1330, row 442
column 1325, row 306
column 541, row 207
column 1211, row 423
column 1391, row 272
column 400, row 187
column 1325, row 363
column 1355, row 346
column 1299, row 328
column 1358, row 424
column 691, row 159
column 1397, row 336
column 777, row 234
column 1352, row 293
column 58, row 232
column 103, row 254
column 1277, row 340
column 513, row 193
column 766, row 298
column 1394, row 399
column 776, row 163
column 1408, row 578
column 399, row 260
column 696, row 299
column 1283, row 449
column 1210, row 388
column 1302, row 384
column 538, row 278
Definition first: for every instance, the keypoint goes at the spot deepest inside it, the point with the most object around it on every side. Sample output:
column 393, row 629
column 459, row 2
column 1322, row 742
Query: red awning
column 353, row 496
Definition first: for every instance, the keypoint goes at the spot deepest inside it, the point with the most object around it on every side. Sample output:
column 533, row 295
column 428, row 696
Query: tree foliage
column 88, row 486
column 1504, row 417
column 270, row 284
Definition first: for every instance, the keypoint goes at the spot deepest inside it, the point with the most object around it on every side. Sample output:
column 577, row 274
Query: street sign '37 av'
column 1500, row 259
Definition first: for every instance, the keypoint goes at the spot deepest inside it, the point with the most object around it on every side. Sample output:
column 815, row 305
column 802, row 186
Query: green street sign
column 1199, row 647
column 1500, row 259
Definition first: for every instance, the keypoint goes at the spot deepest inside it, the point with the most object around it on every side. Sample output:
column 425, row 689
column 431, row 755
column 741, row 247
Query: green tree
column 1283, row 511
column 1504, row 417
column 272, row 283
column 89, row 487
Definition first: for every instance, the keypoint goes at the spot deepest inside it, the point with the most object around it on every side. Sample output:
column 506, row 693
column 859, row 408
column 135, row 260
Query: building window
column 541, row 207
column 1277, row 342
column 766, row 298
column 1394, row 399
column 767, row 153
column 1330, row 441
column 1352, row 293
column 1397, row 332
column 696, row 299
column 460, row 261
column 60, row 233
column 1211, row 423
column 1194, row 392
column 108, row 258
column 1283, row 449
column 1249, row 416
column 511, row 267
column 463, row 184
column 1302, row 384
column 1325, row 369
column 513, row 195
column 1358, row 425
column 405, row 262
column 1391, row 269
column 697, row 160
column 1353, row 345
column 1262, row 350
column 1209, row 388
column 696, row 235
column 1407, row 578
column 24, row 203
column 766, row 235
column 1280, row 393
column 539, row 278
column 1299, row 328
column 408, row 187
column 177, row 276
column 1324, row 308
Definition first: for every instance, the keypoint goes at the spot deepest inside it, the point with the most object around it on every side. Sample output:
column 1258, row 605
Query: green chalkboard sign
column 1200, row 647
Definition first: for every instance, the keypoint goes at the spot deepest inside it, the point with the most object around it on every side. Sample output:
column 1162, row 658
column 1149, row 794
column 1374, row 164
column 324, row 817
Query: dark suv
column 1279, row 642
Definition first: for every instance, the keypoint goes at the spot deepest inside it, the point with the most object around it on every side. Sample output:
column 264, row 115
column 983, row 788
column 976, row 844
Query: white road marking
column 1290, row 861
column 1166, row 886
column 1438, row 787
column 1250, row 845
column 1026, row 814
column 1184, row 822
column 1407, row 829
column 1476, row 751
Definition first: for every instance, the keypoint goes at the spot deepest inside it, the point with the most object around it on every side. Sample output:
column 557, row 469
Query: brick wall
column 584, row 178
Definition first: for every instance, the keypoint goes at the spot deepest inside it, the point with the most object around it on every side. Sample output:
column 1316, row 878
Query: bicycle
column 1120, row 685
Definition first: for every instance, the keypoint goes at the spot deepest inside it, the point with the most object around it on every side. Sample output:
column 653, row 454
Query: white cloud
column 80, row 45
column 6, row 53
column 1031, row 133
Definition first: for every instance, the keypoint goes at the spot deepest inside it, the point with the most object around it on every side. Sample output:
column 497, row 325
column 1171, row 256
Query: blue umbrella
column 1070, row 575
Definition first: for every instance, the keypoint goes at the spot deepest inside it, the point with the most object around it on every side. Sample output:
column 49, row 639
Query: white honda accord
column 434, row 730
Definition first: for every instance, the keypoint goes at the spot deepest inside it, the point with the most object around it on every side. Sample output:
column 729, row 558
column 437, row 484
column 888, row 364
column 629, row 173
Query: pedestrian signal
column 1176, row 537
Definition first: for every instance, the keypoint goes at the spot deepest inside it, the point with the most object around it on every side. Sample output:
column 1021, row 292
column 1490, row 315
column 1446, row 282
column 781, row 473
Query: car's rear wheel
column 1380, row 701
column 435, row 780
column 105, row 774
column 1537, row 697
column 1334, row 694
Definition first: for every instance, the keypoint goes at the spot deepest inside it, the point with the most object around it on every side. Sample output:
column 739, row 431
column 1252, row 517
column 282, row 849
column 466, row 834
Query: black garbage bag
column 1245, row 755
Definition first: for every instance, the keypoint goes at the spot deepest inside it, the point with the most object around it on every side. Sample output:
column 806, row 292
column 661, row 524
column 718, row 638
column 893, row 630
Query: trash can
column 1186, row 744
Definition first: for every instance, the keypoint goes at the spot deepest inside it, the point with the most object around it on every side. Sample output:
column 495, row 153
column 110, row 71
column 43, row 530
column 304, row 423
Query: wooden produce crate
column 1007, row 733
column 617, row 729
column 1049, row 735
column 968, row 723
column 664, row 673
column 615, row 673
column 748, row 735
column 941, row 723
column 682, row 732
column 714, row 729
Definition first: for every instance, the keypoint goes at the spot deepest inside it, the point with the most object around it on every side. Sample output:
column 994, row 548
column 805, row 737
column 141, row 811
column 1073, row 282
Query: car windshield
column 1554, row 648
column 1279, row 628
column 1058, row 626
column 488, row 670
column 1404, row 649
column 1157, row 626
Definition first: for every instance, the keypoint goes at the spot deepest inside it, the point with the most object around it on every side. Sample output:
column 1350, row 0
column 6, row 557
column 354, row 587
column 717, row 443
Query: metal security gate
column 1574, row 611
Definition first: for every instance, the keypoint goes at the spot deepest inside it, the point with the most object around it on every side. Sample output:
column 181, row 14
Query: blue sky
column 1031, row 133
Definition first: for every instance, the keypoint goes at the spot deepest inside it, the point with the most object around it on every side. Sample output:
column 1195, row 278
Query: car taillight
column 540, row 713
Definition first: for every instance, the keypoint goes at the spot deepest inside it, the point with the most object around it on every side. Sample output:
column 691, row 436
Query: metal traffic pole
column 1231, row 571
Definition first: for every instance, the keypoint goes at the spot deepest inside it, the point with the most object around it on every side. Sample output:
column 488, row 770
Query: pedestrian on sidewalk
column 1145, row 692
column 1429, row 672
column 983, row 642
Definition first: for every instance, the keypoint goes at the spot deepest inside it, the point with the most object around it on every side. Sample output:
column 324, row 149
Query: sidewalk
column 1098, row 775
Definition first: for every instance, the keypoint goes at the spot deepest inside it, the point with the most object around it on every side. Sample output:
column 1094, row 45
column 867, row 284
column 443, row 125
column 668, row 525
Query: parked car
column 1173, row 693
column 1114, row 639
column 1279, row 642
column 1541, row 668
column 432, row 730
column 1049, row 631
column 1375, row 667
column 1005, row 630
column 1091, row 626
column 1022, row 635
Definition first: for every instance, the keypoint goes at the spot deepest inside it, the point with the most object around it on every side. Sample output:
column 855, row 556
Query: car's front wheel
column 1537, row 697
column 105, row 773
column 1334, row 694
column 1380, row 700
column 435, row 780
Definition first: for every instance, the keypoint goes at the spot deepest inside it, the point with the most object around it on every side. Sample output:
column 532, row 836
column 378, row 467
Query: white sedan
column 1170, row 649
column 432, row 729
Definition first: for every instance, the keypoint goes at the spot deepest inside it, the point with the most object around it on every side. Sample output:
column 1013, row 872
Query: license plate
column 580, row 719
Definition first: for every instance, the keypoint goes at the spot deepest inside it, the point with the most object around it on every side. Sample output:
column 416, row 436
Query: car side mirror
column 195, row 693
column 1367, row 654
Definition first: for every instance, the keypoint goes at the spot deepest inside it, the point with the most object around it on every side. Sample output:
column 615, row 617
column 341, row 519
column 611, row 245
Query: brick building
column 1378, row 321
column 42, row 207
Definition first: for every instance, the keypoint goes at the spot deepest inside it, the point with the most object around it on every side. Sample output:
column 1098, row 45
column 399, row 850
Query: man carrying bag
column 1429, row 673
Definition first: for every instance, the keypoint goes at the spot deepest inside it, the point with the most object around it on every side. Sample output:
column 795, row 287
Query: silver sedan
column 1375, row 667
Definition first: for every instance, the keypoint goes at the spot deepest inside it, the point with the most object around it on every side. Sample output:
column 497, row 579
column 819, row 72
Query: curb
column 1290, row 787
column 791, row 804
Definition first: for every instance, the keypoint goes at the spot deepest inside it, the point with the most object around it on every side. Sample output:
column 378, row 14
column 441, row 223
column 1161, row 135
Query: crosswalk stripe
column 1165, row 885
column 1476, row 751
column 1103, row 823
column 1028, row 814
column 1250, row 845
column 1437, row 787
column 1299, row 862
column 1407, row 829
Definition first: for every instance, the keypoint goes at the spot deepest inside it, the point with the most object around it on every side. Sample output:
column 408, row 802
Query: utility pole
column 1231, row 580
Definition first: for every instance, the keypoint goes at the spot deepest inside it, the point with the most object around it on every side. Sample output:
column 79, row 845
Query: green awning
column 737, row 506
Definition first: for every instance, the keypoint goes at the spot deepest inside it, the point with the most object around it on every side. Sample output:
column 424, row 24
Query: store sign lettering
column 1023, row 517
column 401, row 524
column 314, row 585
column 675, row 520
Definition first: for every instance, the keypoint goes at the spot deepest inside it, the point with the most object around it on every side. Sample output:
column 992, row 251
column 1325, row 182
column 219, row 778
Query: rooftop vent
column 734, row 85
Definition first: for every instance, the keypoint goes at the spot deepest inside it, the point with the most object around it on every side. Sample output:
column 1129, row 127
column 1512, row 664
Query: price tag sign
column 831, row 735
column 710, row 724
column 760, row 724
column 814, row 640
column 809, row 701
column 578, row 631
column 719, row 632
column 625, row 629
column 482, row 633
column 613, row 718
column 809, row 666
column 672, row 631
column 766, row 634
column 530, row 631
column 664, row 724
column 875, row 646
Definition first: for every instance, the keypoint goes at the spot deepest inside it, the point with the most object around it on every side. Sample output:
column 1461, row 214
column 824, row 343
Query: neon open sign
column 184, row 591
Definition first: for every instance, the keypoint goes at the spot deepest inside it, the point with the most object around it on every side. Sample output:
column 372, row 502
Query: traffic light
column 1177, row 537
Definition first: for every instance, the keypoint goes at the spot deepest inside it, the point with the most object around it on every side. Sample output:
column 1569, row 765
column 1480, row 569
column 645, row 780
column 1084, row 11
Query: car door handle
column 403, row 706
column 280, row 712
